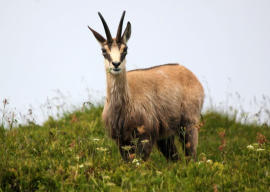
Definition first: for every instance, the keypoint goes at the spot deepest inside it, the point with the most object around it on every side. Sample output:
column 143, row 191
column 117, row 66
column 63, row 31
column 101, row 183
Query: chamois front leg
column 144, row 143
column 168, row 149
column 144, row 146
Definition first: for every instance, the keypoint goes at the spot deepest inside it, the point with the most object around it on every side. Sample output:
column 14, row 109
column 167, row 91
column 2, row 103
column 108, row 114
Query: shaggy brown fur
column 150, row 106
column 164, row 100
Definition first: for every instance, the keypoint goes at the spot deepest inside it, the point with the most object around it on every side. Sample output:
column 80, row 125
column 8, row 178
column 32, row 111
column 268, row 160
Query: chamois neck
column 117, row 88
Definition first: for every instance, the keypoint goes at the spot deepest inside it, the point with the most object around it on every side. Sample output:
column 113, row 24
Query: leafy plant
column 73, row 153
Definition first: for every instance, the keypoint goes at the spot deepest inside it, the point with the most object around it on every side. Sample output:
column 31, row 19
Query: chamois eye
column 124, row 53
column 104, row 52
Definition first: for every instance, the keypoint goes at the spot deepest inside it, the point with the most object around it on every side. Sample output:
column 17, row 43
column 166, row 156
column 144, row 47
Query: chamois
column 150, row 106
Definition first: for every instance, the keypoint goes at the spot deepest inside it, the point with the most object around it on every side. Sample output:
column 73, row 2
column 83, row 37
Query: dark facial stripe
column 123, row 56
column 107, row 56
column 124, row 53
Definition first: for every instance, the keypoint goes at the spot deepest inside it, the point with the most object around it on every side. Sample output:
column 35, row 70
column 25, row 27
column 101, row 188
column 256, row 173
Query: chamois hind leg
column 168, row 148
column 189, row 138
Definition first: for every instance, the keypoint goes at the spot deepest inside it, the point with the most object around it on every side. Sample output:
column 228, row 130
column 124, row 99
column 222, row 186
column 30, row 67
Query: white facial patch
column 115, row 54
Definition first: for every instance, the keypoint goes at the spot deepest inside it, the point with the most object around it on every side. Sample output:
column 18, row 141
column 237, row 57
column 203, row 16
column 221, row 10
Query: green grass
column 74, row 154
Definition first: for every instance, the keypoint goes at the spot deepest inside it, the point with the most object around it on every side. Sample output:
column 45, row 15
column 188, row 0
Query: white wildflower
column 200, row 162
column 126, row 147
column 110, row 184
column 102, row 149
column 81, row 166
column 96, row 139
column 145, row 141
column 90, row 164
column 135, row 161
column 260, row 149
column 209, row 161
column 158, row 172
column 106, row 177
column 250, row 147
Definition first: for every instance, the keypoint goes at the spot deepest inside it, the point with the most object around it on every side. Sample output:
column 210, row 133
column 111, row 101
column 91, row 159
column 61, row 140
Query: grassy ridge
column 74, row 154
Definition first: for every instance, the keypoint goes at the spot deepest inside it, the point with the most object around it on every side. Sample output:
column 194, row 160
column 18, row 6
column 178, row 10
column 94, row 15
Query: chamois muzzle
column 116, row 64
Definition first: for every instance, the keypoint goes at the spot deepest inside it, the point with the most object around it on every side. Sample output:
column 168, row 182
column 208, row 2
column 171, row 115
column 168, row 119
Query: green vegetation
column 74, row 154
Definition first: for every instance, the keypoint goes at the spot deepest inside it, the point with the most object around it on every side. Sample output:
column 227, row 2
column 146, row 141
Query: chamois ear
column 127, row 33
column 98, row 37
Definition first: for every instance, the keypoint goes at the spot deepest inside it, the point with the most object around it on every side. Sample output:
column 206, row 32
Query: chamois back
column 168, row 93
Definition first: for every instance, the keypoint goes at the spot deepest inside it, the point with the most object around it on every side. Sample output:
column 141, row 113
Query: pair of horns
column 107, row 30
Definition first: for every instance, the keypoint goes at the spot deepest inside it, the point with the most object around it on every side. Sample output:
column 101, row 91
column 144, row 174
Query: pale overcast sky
column 45, row 45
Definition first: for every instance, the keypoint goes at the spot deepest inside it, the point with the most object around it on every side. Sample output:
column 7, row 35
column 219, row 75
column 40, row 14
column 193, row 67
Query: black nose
column 116, row 64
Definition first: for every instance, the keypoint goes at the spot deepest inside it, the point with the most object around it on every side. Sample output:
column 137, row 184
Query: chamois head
column 114, row 50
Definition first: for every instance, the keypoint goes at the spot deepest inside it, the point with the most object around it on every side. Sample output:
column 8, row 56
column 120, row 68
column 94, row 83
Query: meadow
column 74, row 153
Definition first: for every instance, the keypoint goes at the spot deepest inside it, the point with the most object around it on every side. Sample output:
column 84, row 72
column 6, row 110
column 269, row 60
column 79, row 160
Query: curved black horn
column 107, row 31
column 119, row 30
